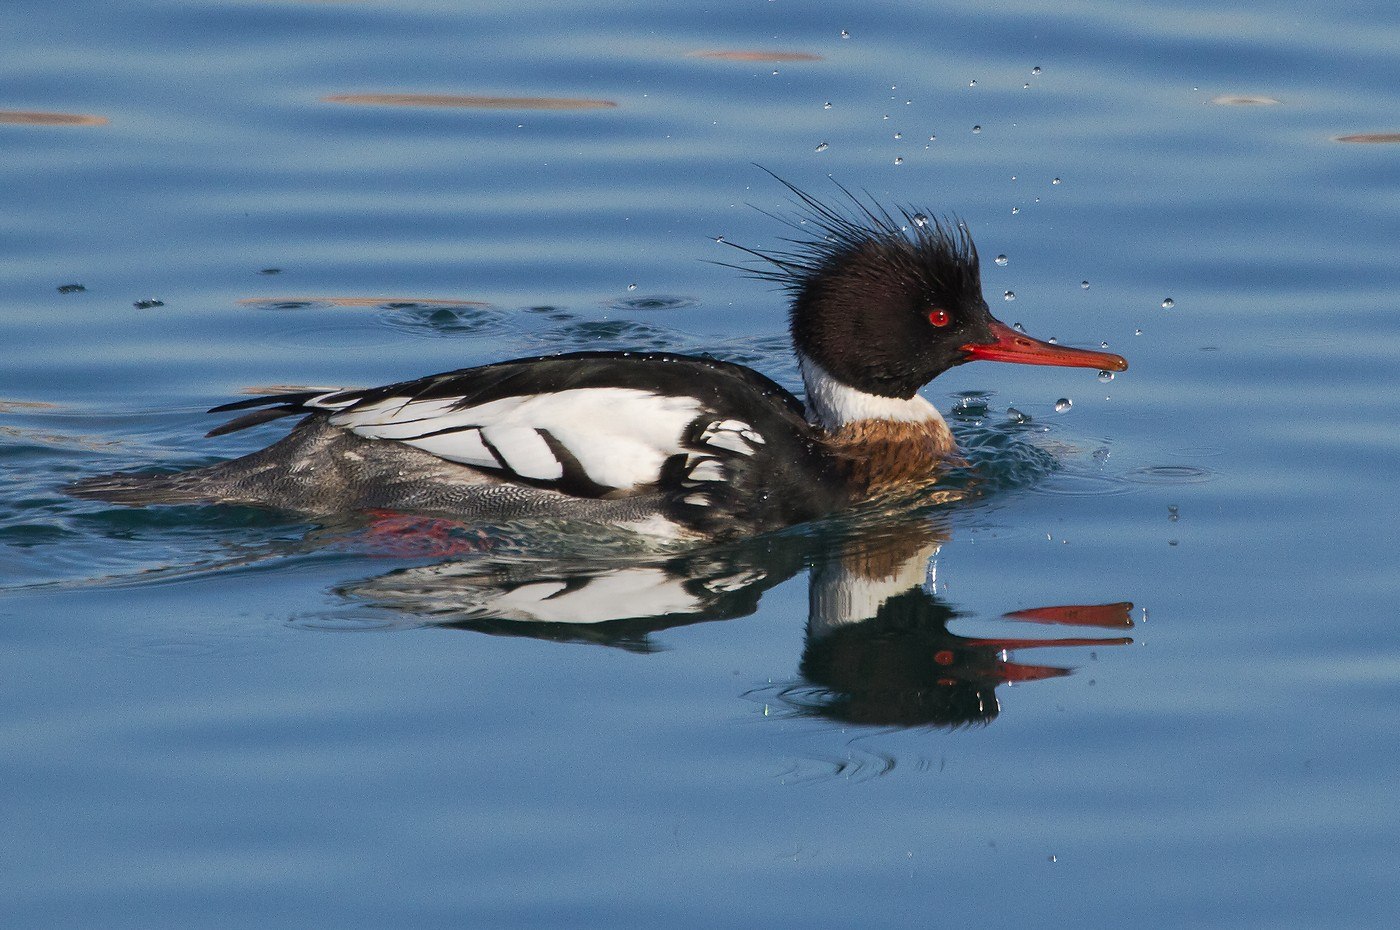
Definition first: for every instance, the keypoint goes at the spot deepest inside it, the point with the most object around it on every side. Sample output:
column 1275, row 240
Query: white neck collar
column 833, row 404
column 839, row 595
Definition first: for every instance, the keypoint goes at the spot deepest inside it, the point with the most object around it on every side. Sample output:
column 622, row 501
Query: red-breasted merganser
column 881, row 304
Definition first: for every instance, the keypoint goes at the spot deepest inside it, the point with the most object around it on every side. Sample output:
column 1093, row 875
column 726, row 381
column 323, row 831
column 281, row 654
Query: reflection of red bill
column 1013, row 672
column 1109, row 616
column 1010, row 644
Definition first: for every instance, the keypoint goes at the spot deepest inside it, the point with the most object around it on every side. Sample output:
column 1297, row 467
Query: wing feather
column 619, row 437
column 594, row 424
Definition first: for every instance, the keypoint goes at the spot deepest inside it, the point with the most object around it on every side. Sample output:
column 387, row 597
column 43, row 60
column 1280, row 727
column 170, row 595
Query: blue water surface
column 225, row 717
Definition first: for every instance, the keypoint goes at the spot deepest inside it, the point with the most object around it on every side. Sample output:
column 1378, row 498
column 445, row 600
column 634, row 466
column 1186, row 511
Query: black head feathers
column 881, row 300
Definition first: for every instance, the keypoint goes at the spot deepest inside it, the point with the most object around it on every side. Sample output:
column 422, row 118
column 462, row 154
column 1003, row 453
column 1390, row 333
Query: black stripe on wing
column 575, row 480
column 275, row 406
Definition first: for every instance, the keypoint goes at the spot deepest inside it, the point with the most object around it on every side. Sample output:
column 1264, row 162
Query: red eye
column 939, row 317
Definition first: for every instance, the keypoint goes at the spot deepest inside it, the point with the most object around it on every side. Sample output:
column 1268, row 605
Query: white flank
column 835, row 404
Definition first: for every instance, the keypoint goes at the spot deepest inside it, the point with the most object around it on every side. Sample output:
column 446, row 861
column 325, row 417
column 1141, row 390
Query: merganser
column 881, row 304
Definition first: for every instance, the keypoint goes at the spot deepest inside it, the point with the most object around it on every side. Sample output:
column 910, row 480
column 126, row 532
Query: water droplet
column 719, row 238
column 1084, row 284
column 631, row 287
column 973, row 406
column 971, row 83
column 1063, row 404
column 932, row 137
column 908, row 102
column 845, row 34
column 775, row 74
column 827, row 105
column 1105, row 377
column 1025, row 86
column 1002, row 260
column 976, row 128
column 1053, row 341
column 1137, row 332
column 1009, row 295
column 1172, row 513
column 1018, row 327
column 1168, row 303
column 1053, row 859
column 1016, row 416
column 1015, row 210
column 1103, row 345
column 920, row 219
column 1035, row 70
column 886, row 116
column 1055, row 181
column 899, row 135
column 899, row 160
column 823, row 146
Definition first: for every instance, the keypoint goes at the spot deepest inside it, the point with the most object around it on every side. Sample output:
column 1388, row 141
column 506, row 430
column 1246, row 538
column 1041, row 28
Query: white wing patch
column 525, row 451
column 732, row 435
column 620, row 437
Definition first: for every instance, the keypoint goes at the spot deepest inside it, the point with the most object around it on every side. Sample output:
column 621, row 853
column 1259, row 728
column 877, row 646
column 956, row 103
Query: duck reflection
column 879, row 652
column 878, row 649
column 901, row 667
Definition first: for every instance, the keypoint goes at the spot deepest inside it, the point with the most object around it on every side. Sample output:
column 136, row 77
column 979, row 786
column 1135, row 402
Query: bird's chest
column 876, row 457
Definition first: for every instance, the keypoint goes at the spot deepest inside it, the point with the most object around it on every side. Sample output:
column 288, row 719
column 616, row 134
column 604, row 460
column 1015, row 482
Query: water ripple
column 653, row 302
column 1170, row 474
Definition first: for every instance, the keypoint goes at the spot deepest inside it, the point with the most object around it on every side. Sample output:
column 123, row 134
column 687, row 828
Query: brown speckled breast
column 879, row 456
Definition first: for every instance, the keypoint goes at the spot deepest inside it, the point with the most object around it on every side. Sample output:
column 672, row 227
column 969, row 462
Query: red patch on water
column 404, row 535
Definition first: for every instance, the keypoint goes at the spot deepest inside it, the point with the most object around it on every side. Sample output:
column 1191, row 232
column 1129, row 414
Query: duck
column 881, row 302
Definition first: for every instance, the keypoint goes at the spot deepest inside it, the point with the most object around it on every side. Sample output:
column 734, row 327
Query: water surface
column 228, row 717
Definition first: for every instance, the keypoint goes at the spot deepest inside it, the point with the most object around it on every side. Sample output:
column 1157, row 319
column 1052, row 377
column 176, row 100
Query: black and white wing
column 588, row 424
column 583, row 441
